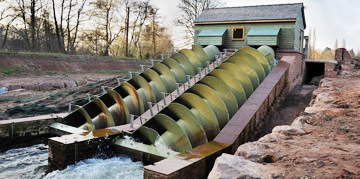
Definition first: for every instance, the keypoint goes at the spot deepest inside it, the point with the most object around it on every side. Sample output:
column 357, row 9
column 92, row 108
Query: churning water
column 31, row 162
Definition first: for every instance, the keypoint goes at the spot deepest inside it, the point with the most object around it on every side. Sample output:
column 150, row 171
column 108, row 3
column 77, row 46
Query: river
column 31, row 162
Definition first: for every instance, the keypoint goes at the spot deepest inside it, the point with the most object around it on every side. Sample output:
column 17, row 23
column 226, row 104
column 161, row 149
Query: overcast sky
column 332, row 19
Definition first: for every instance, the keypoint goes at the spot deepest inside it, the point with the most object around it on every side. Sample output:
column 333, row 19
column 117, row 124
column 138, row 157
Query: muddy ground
column 48, row 83
column 292, row 107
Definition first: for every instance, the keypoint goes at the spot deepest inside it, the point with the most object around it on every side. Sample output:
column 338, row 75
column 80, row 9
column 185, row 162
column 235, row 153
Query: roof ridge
column 255, row 6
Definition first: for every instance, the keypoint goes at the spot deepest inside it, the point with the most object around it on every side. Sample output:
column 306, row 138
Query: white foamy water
column 116, row 168
column 31, row 162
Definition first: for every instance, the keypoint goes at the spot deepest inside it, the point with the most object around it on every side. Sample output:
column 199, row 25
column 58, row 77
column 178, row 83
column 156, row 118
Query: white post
column 151, row 110
column 132, row 121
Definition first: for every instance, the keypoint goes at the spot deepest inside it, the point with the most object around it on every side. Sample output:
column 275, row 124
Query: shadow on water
column 32, row 162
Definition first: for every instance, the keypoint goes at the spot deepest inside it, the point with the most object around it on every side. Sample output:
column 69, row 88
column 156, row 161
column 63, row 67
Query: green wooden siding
column 262, row 40
column 210, row 41
column 285, row 40
column 299, row 33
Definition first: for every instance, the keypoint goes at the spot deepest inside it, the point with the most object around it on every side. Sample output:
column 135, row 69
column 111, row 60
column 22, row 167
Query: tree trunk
column 68, row 28
column 33, row 24
column 60, row 45
column 154, row 34
column 127, row 31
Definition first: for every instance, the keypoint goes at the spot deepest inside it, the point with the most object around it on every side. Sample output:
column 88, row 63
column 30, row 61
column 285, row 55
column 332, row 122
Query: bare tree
column 154, row 16
column 106, row 13
column 141, row 12
column 9, row 19
column 60, row 40
column 191, row 9
column 127, row 19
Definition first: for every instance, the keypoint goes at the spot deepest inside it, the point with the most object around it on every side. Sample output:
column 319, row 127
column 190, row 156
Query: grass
column 5, row 99
column 27, row 99
column 31, row 109
column 75, row 55
column 10, row 71
column 3, row 116
column 112, row 72
column 51, row 73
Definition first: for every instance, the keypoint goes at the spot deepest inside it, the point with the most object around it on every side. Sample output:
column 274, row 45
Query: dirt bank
column 324, row 142
column 38, row 63
column 48, row 82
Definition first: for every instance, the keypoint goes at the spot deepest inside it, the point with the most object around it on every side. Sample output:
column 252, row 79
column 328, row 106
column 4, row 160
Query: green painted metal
column 185, row 63
column 193, row 58
column 259, row 57
column 269, row 54
column 188, row 122
column 252, row 62
column 212, row 33
column 214, row 101
column 263, row 31
column 234, row 85
column 121, row 114
column 207, row 106
column 196, row 116
column 211, row 51
column 174, row 137
column 167, row 77
column 254, row 78
column 107, row 120
column 223, row 91
column 203, row 113
column 240, row 75
column 198, row 50
column 176, row 69
column 133, row 96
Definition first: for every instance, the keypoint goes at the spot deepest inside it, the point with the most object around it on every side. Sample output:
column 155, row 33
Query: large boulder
column 229, row 166
column 288, row 130
column 256, row 152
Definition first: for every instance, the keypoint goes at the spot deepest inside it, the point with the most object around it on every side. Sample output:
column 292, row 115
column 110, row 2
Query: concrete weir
column 22, row 130
column 212, row 112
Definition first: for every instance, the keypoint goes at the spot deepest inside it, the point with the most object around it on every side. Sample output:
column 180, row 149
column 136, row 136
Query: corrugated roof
column 212, row 33
column 263, row 31
column 245, row 13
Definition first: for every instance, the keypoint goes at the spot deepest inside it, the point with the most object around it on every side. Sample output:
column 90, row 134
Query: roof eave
column 245, row 21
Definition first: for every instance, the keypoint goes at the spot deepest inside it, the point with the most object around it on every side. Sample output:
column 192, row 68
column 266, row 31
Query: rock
column 44, row 86
column 316, row 80
column 256, row 152
column 229, row 166
column 33, row 87
column 58, row 85
column 80, row 82
column 51, row 86
column 288, row 130
column 300, row 122
column 272, row 138
column 14, row 87
column 70, row 84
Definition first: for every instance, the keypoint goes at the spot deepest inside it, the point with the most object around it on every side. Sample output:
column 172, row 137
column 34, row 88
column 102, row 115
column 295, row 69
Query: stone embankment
column 324, row 142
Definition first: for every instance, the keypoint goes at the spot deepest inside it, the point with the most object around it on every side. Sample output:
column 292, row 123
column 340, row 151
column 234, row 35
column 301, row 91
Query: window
column 238, row 33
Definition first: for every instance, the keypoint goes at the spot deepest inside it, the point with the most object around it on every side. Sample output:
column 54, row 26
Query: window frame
column 232, row 31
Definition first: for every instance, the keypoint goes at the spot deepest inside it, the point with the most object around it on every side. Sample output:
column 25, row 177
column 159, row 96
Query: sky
column 332, row 19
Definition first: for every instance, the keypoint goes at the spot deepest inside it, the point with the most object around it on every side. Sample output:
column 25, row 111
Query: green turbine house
column 279, row 26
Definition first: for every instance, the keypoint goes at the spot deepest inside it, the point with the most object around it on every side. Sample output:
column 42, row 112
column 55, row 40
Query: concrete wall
column 297, row 66
column 16, row 132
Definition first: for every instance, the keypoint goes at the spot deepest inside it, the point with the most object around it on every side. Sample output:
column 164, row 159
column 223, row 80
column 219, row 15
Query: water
column 31, row 162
